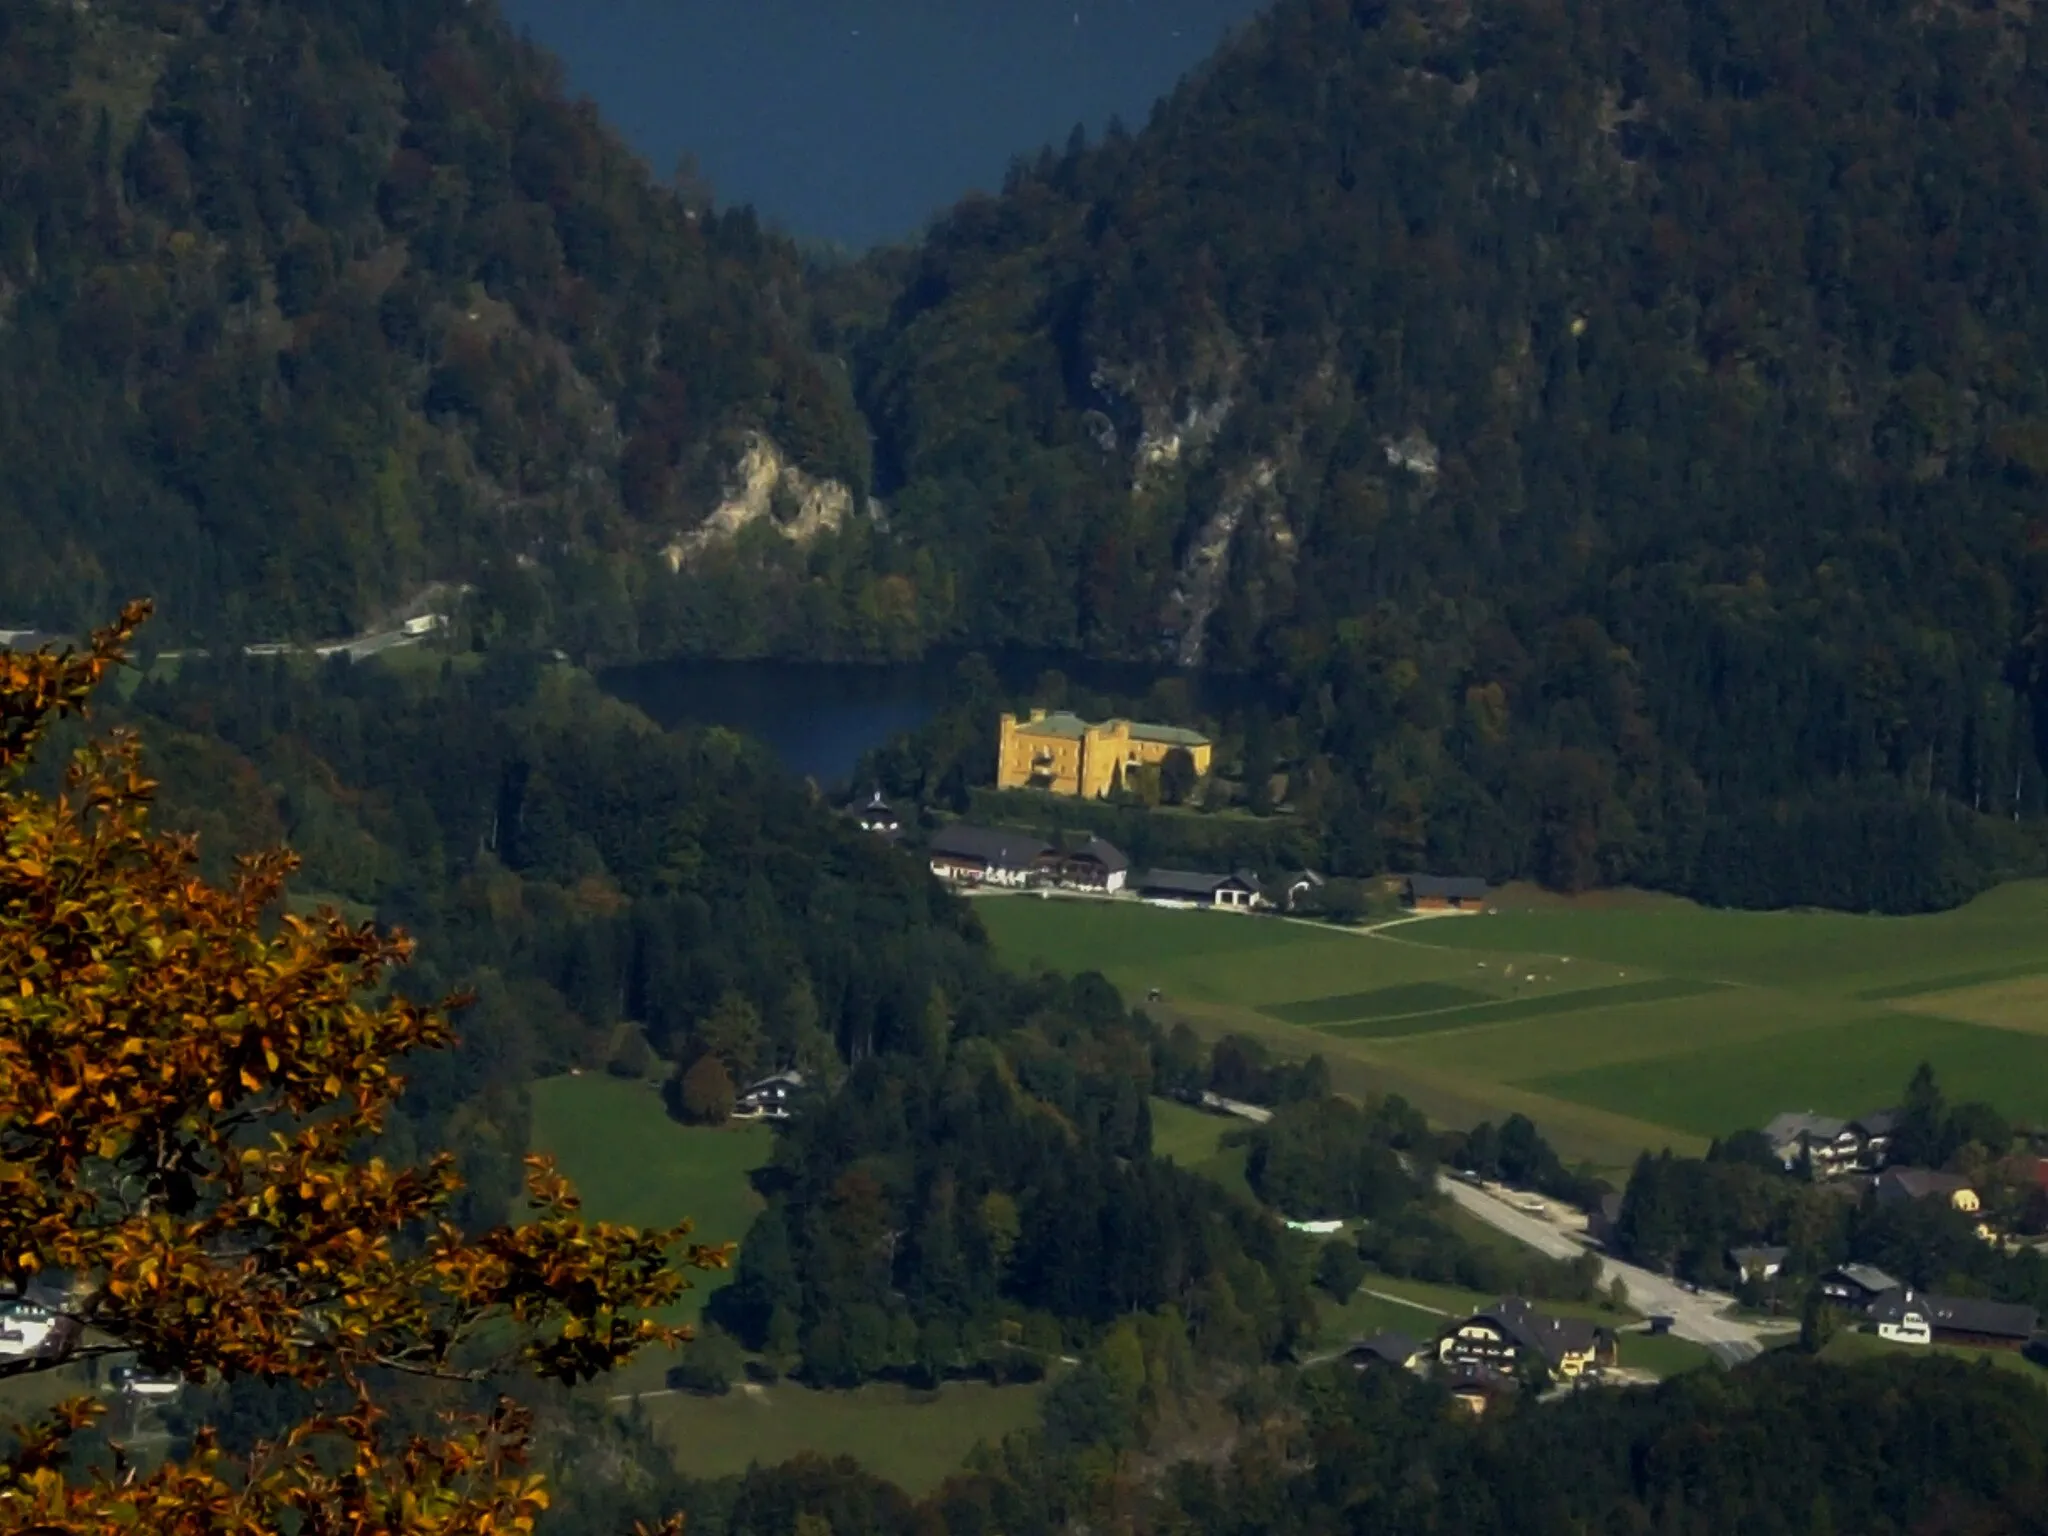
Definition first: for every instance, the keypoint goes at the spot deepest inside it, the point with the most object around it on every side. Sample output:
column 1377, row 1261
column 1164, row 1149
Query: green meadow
column 631, row 1163
column 1617, row 1023
column 912, row 1438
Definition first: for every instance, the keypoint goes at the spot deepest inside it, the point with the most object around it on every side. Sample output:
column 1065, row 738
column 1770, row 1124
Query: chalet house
column 1390, row 1348
column 965, row 855
column 772, row 1098
column 1443, row 893
column 1182, row 887
column 1907, row 1316
column 1833, row 1144
column 877, row 817
column 1856, row 1286
column 1511, row 1331
column 1758, row 1263
column 1094, row 866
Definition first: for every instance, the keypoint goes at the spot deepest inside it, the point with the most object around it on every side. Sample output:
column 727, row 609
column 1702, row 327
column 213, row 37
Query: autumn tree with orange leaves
column 191, row 1083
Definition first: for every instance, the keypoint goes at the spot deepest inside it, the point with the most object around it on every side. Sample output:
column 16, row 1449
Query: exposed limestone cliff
column 765, row 484
column 1207, row 565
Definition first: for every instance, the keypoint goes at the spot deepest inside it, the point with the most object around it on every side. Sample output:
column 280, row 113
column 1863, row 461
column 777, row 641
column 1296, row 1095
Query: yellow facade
column 1071, row 756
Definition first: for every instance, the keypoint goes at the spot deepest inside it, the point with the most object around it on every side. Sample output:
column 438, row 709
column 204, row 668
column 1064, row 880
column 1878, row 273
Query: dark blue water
column 819, row 720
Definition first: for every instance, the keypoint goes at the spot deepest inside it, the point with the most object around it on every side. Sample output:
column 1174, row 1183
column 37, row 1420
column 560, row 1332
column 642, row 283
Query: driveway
column 1695, row 1317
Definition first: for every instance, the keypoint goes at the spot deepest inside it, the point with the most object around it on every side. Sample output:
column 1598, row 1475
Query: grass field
column 1194, row 1139
column 1867, row 1346
column 1617, row 1022
column 913, row 1438
column 632, row 1163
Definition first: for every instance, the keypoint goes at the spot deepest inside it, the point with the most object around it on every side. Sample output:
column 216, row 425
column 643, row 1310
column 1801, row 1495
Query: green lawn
column 1616, row 1023
column 913, row 1438
column 1849, row 1345
column 633, row 1164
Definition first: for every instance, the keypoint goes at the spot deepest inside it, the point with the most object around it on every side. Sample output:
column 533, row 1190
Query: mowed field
column 631, row 1163
column 1616, row 1023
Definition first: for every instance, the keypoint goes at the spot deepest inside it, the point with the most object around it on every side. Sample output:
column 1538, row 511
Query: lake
column 820, row 719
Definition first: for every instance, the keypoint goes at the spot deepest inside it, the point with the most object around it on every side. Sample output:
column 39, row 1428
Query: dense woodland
column 304, row 305
column 1611, row 437
column 1614, row 431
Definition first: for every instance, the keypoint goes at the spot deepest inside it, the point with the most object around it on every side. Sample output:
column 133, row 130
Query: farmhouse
column 1443, row 893
column 967, row 855
column 1067, row 755
column 772, row 1098
column 1758, row 1263
column 1832, row 1144
column 1907, row 1316
column 1511, row 1331
column 1856, row 1286
column 1185, row 887
column 1094, row 866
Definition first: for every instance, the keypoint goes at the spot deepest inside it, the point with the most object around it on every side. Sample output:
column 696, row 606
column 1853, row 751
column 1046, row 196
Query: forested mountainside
column 305, row 304
column 1618, row 430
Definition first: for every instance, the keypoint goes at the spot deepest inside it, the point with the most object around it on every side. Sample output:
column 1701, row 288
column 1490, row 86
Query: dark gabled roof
column 1879, row 1122
column 1095, row 851
column 1185, row 882
column 1959, row 1314
column 1447, row 887
column 1394, row 1348
column 1919, row 1183
column 1551, row 1337
column 1787, row 1128
column 1865, row 1277
column 988, row 845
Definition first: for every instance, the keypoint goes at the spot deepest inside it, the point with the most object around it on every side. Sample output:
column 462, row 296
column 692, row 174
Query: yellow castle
column 1072, row 756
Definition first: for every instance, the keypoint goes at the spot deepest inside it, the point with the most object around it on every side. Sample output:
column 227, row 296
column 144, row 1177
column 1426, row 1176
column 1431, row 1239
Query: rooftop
column 1071, row 727
column 1098, row 851
column 1551, row 1337
column 1959, row 1314
column 1192, row 882
column 1394, row 1348
column 989, row 845
column 1867, row 1277
column 1919, row 1183
column 1791, row 1125
column 1172, row 735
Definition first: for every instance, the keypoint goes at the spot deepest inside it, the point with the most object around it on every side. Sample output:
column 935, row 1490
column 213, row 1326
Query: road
column 1694, row 1316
